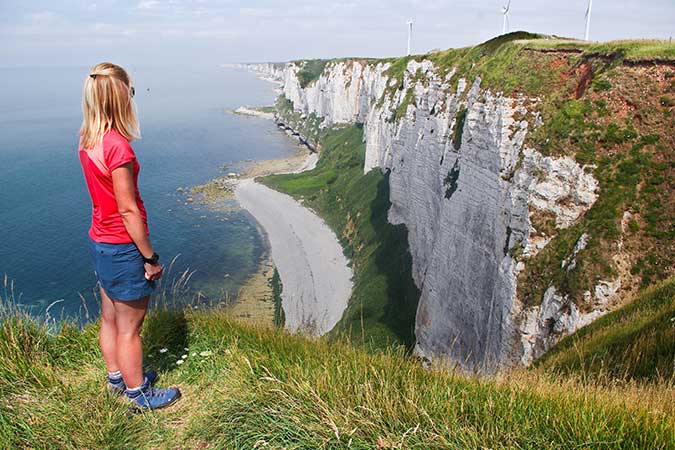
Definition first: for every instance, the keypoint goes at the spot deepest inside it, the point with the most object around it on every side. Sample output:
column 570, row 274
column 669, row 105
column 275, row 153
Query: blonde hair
column 107, row 105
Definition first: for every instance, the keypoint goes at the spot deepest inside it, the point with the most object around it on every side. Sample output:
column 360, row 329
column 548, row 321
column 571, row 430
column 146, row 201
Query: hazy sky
column 70, row 32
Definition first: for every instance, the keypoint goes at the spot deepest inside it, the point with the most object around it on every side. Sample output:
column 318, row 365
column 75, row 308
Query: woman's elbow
column 127, row 211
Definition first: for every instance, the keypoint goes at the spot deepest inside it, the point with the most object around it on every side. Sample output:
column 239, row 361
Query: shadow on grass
column 394, row 262
column 165, row 329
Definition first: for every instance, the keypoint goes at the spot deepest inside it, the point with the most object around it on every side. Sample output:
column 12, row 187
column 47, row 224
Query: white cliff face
column 557, row 316
column 344, row 93
column 467, row 203
column 273, row 72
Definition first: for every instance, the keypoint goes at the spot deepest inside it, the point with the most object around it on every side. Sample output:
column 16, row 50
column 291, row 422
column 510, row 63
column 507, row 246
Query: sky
column 195, row 32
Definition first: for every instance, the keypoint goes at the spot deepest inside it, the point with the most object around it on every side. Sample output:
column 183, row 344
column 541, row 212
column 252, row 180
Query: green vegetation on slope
column 310, row 71
column 249, row 387
column 522, row 62
column 634, row 342
column 382, row 308
column 503, row 64
column 610, row 118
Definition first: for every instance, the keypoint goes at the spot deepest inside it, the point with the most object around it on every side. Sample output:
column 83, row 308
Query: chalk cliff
column 469, row 188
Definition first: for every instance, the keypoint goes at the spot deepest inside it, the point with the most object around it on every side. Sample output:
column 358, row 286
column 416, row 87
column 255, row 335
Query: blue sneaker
column 145, row 397
column 117, row 386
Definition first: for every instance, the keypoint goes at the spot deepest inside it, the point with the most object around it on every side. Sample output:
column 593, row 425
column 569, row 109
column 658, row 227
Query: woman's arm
column 125, row 195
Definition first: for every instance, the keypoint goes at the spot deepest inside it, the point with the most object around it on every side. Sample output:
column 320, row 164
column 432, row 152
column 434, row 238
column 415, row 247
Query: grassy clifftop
column 248, row 387
column 504, row 62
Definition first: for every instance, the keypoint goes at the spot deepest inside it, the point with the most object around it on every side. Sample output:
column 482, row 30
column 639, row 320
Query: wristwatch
column 153, row 260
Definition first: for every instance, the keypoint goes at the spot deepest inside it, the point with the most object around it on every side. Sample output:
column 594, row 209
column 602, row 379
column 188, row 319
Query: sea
column 188, row 138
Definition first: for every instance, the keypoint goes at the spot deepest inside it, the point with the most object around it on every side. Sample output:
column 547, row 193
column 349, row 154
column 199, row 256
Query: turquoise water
column 187, row 135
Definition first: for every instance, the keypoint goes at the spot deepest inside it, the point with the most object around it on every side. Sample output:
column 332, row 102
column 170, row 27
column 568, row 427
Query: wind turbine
column 588, row 18
column 505, row 13
column 410, row 24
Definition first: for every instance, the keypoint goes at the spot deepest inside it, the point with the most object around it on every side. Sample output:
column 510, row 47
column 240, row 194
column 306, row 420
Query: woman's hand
column 153, row 272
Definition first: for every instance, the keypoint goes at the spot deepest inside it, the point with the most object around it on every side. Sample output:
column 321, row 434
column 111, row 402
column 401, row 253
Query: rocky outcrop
column 466, row 187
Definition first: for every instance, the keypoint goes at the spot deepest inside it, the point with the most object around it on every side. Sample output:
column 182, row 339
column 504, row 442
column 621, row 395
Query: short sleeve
column 118, row 153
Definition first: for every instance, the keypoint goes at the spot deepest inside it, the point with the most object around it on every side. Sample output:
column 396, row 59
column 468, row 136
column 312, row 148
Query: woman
column 125, row 262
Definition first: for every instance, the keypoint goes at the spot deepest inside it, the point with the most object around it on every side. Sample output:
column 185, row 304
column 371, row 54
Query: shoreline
column 314, row 272
column 316, row 277
column 254, row 300
column 307, row 255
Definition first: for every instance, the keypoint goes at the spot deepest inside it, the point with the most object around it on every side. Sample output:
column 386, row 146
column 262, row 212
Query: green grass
column 634, row 342
column 264, row 388
column 381, row 310
column 629, row 49
column 310, row 71
column 631, row 157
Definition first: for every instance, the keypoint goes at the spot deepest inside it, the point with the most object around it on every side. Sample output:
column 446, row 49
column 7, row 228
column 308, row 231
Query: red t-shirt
column 97, row 164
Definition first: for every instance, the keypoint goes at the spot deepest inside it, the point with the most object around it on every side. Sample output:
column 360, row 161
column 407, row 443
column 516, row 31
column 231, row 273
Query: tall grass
column 250, row 387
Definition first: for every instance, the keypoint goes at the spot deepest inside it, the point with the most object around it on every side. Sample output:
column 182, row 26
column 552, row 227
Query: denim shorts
column 120, row 270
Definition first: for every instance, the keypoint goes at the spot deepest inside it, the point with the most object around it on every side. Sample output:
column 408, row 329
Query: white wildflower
column 184, row 356
column 179, row 362
column 206, row 353
column 163, row 350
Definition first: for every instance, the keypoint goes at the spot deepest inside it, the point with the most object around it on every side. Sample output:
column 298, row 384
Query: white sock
column 116, row 374
column 137, row 388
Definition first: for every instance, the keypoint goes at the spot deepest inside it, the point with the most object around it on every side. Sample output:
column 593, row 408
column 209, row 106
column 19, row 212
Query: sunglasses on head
column 132, row 91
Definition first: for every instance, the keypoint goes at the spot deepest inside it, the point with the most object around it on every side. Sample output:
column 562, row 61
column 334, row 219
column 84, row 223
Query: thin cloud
column 148, row 4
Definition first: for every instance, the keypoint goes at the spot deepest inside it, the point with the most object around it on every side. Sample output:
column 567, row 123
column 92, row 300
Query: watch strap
column 153, row 260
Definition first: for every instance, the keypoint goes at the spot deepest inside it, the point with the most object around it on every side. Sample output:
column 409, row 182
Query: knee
column 129, row 334
column 108, row 319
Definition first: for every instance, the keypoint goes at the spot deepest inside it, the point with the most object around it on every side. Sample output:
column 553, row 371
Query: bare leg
column 107, row 337
column 129, row 319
